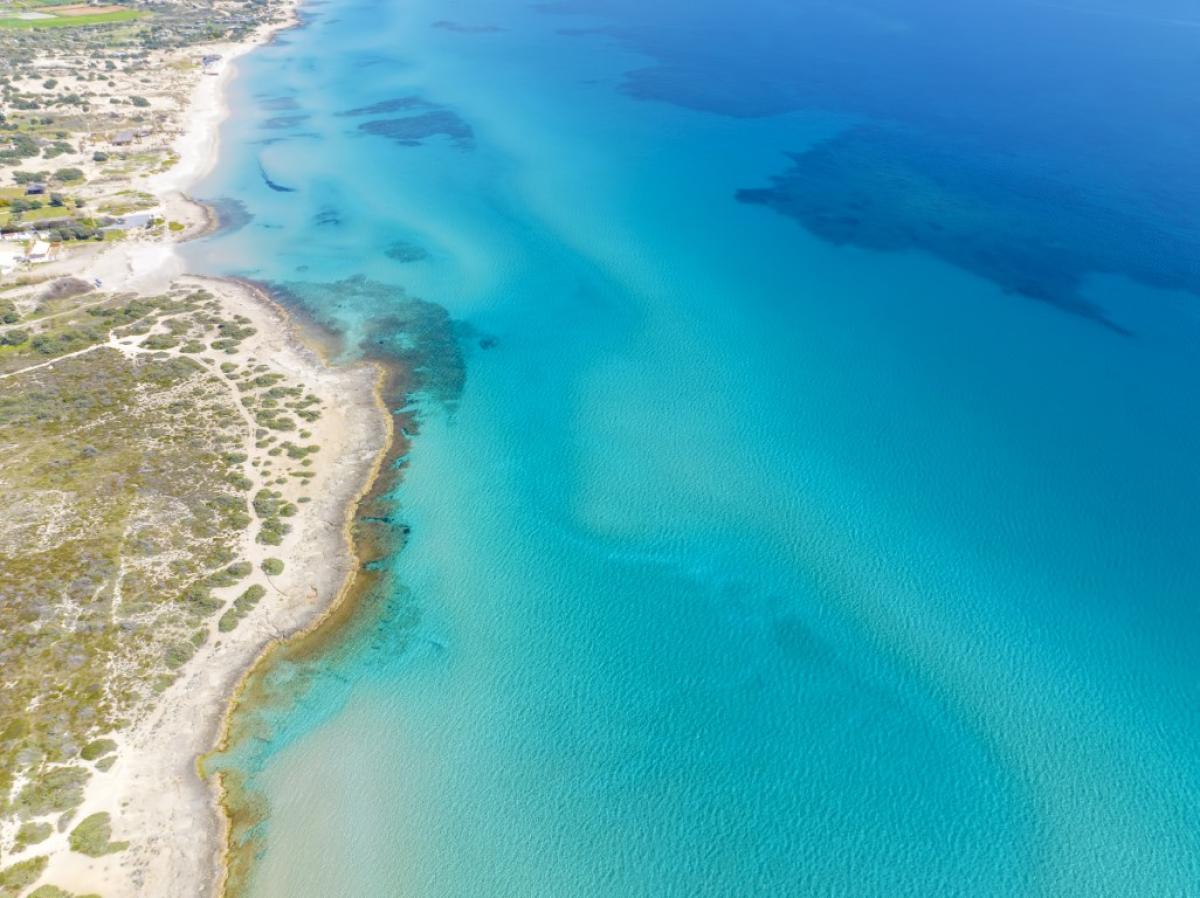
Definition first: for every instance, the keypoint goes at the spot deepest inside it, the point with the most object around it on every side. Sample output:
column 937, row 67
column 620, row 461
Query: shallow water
column 819, row 515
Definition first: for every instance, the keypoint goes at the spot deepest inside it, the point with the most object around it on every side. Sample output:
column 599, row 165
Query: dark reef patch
column 459, row 28
column 328, row 216
column 975, row 71
column 231, row 214
column 274, row 185
column 413, row 130
column 296, row 135
column 367, row 60
column 285, row 121
column 886, row 190
column 403, row 251
column 383, row 107
column 587, row 32
column 279, row 104
column 399, row 329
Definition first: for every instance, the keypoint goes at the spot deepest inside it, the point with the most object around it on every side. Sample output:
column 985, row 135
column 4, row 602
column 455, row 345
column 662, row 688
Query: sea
column 801, row 491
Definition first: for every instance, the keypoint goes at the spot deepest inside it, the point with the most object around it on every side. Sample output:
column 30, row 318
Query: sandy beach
column 170, row 817
column 149, row 266
column 167, row 813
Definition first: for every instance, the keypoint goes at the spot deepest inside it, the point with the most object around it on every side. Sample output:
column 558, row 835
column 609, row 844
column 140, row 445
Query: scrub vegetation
column 128, row 423
column 93, row 836
column 132, row 493
column 89, row 103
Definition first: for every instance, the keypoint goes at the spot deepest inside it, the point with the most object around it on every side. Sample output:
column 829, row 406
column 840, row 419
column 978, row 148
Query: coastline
column 176, row 821
column 151, row 267
column 360, row 545
column 202, row 145
column 199, row 145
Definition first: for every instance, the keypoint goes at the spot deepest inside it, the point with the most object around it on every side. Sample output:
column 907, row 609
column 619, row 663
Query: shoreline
column 355, row 586
column 151, row 266
column 311, row 338
column 178, row 822
column 366, row 535
column 351, row 555
column 303, row 334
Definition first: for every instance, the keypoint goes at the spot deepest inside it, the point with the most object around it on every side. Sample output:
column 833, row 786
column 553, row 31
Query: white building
column 42, row 251
column 11, row 256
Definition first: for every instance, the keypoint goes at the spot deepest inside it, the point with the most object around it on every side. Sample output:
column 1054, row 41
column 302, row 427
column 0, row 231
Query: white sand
column 149, row 267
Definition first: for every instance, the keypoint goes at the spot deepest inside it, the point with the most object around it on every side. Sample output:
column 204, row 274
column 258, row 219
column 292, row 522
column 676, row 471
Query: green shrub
column 199, row 598
column 32, row 833
column 238, row 480
column 49, row 891
column 98, row 748
column 266, row 503
column 17, row 878
column 93, row 836
column 59, row 789
column 272, row 567
column 272, row 532
column 178, row 654
column 231, row 575
column 161, row 341
column 249, row 598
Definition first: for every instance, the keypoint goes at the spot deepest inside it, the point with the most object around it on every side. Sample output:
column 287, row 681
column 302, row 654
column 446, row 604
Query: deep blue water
column 819, row 515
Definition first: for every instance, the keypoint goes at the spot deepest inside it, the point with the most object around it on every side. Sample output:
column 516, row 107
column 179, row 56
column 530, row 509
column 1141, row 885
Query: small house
column 43, row 251
column 122, row 138
column 11, row 254
column 35, row 189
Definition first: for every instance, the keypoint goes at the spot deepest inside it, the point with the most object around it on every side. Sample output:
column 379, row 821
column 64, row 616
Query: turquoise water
column 820, row 514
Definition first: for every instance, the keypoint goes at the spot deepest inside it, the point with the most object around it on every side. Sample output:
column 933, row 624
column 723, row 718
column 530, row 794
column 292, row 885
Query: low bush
column 93, row 836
